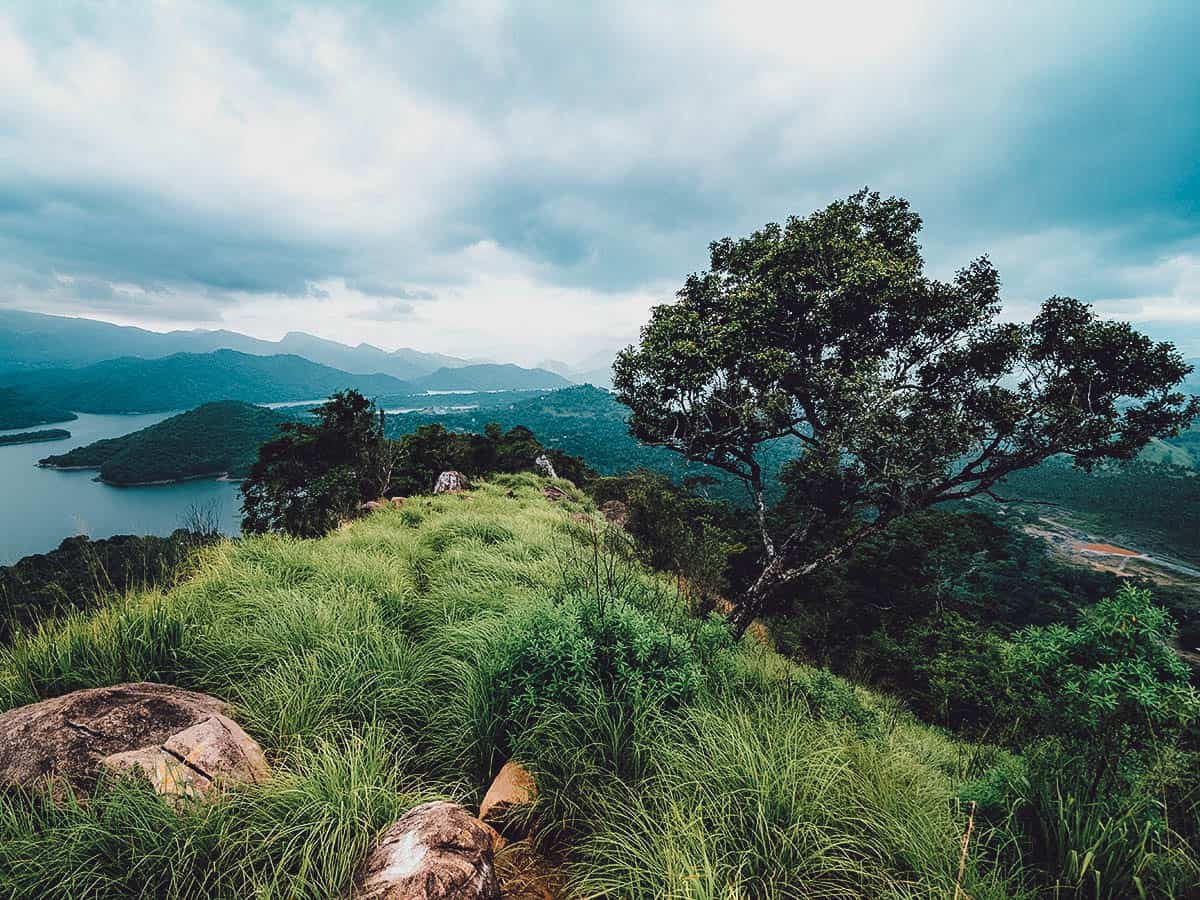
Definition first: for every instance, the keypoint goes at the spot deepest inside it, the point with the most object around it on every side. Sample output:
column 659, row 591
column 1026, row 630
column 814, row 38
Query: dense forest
column 219, row 438
column 35, row 437
column 81, row 572
column 23, row 409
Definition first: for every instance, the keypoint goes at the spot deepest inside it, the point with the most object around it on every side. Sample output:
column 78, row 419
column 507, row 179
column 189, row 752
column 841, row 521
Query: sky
column 523, row 181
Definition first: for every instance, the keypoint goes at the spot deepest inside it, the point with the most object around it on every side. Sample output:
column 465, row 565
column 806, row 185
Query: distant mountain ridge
column 35, row 341
column 186, row 380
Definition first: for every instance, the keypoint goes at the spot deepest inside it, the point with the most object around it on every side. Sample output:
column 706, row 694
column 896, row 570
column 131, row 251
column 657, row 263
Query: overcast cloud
column 524, row 180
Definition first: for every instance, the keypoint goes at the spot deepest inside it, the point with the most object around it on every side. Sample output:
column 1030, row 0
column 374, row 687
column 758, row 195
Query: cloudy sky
column 523, row 180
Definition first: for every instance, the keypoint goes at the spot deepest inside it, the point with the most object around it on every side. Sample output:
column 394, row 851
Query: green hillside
column 488, row 377
column 186, row 380
column 407, row 656
column 216, row 438
column 20, row 409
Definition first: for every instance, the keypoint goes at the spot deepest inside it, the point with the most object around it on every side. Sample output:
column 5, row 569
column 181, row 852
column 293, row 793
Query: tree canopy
column 902, row 390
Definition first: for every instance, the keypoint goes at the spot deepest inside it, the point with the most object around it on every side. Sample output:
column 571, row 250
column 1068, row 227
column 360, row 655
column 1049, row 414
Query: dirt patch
column 527, row 875
column 1108, row 549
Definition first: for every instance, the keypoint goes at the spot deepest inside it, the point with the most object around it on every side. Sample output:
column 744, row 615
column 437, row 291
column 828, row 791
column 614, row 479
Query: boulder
column 451, row 482
column 372, row 505
column 182, row 741
column 435, row 851
column 398, row 501
column 554, row 493
column 615, row 512
column 543, row 465
column 513, row 786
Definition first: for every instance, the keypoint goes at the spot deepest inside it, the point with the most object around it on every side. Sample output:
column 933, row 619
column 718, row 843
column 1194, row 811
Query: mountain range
column 33, row 341
column 184, row 380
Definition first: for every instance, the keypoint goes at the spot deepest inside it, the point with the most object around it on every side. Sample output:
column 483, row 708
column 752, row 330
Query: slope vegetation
column 408, row 655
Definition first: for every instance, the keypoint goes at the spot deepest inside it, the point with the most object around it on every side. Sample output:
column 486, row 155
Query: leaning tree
column 899, row 390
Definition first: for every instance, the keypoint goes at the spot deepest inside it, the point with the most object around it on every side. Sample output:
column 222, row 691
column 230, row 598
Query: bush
column 561, row 656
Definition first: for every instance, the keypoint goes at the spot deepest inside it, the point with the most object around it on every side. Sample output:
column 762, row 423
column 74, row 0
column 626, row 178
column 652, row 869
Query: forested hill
column 217, row 438
column 186, row 380
column 589, row 422
column 490, row 376
column 23, row 410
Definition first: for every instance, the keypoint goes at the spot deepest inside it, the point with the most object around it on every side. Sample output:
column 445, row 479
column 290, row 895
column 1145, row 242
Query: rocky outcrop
column 451, row 482
column 543, row 465
column 512, row 787
column 181, row 741
column 435, row 851
column 554, row 494
column 372, row 505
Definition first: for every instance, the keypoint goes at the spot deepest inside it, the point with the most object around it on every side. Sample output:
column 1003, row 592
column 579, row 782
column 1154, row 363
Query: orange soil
column 1110, row 549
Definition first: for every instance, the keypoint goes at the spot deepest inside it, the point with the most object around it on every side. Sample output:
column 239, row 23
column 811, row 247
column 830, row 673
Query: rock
column 188, row 764
column 543, row 465
column 451, row 482
column 372, row 505
column 182, row 740
column 616, row 512
column 554, row 493
column 435, row 851
column 512, row 787
column 398, row 501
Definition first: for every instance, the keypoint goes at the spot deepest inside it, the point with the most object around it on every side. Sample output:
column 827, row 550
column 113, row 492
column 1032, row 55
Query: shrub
column 562, row 654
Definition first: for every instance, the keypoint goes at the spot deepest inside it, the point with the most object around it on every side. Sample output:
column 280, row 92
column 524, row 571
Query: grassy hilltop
column 408, row 655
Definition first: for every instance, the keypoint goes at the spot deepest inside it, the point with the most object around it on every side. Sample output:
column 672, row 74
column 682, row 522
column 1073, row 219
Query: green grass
column 390, row 663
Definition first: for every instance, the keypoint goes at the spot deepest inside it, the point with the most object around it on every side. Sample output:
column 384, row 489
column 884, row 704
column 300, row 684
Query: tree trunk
column 788, row 567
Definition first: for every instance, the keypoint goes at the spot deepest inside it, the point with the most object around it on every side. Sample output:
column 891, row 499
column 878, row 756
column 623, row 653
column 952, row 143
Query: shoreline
column 215, row 476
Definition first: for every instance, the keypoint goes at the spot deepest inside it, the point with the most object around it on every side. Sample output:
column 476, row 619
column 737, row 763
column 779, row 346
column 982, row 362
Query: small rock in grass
column 513, row 786
column 451, row 482
column 435, row 851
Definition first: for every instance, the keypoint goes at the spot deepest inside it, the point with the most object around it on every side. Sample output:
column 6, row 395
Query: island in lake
column 35, row 437
column 220, row 438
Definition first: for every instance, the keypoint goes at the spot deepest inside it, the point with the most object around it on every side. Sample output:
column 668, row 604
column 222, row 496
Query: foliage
column 23, row 409
column 216, row 438
column 677, row 531
column 430, row 450
column 567, row 654
column 902, row 390
column 919, row 608
column 35, row 437
column 314, row 475
column 1111, row 687
column 81, row 571
column 590, row 423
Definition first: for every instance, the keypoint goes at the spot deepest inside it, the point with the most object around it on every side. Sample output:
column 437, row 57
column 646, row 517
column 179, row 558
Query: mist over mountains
column 33, row 340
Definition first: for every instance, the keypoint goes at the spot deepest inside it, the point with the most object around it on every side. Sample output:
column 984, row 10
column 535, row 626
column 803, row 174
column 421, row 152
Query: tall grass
column 369, row 665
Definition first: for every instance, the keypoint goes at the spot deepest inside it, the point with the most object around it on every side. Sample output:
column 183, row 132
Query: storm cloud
column 526, row 179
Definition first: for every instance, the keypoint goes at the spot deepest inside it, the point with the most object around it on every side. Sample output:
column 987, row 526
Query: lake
column 40, row 507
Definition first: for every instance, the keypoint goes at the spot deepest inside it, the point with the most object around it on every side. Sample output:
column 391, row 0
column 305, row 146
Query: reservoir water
column 40, row 507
